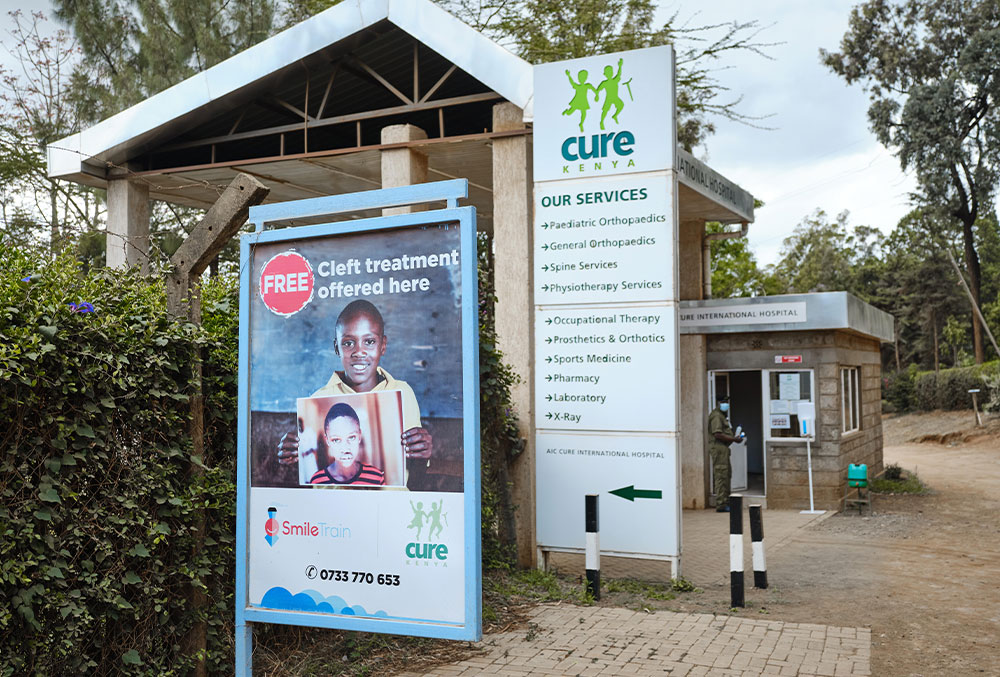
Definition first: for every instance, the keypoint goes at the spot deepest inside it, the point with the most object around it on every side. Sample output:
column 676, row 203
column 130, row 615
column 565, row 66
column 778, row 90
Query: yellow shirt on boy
column 411, row 410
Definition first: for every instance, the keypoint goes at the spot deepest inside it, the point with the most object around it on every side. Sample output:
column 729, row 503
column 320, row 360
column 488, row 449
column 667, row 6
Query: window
column 787, row 389
column 850, row 398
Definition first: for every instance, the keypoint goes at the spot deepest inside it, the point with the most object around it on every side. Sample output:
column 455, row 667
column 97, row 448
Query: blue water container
column 857, row 475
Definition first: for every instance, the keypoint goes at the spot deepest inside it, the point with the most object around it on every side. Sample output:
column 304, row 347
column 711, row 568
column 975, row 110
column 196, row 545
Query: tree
column 37, row 112
column 735, row 272
column 133, row 49
column 918, row 287
column 817, row 256
column 932, row 68
column 550, row 30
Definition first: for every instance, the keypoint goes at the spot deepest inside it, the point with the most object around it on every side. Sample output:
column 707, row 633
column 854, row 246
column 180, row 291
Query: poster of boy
column 380, row 311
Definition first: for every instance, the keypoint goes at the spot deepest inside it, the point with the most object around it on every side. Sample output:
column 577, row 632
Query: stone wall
column 825, row 352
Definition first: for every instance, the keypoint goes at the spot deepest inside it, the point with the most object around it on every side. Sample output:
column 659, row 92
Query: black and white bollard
column 593, row 552
column 736, row 551
column 757, row 544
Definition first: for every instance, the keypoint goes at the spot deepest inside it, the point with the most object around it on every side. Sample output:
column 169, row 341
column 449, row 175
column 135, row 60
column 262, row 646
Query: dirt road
column 923, row 572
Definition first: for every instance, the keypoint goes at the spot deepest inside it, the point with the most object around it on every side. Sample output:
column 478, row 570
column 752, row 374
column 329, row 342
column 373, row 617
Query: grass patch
column 658, row 591
column 895, row 480
column 528, row 585
column 289, row 650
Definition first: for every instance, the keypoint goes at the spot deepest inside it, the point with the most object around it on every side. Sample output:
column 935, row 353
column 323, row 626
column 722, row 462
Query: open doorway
column 746, row 410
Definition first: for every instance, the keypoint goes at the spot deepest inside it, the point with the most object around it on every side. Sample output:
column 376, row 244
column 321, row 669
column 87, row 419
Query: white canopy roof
column 85, row 156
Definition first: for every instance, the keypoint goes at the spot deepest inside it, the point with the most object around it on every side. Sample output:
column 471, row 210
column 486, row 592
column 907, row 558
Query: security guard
column 720, row 437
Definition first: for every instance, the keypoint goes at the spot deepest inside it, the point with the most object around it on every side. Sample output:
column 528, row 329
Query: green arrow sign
column 631, row 493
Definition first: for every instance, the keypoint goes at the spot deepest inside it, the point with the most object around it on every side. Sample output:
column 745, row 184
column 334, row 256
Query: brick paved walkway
column 567, row 640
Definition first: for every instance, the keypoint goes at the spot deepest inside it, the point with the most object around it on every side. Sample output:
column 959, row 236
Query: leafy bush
column 100, row 511
column 500, row 440
column 893, row 471
column 898, row 389
column 949, row 388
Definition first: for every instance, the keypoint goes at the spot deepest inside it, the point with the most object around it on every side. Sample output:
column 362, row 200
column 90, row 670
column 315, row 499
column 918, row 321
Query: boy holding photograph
column 360, row 344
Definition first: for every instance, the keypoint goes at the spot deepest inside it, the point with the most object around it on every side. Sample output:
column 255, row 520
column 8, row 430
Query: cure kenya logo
column 271, row 527
column 286, row 283
column 427, row 552
column 605, row 144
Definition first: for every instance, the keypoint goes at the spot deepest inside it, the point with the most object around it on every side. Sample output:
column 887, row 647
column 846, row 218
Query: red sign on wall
column 787, row 359
column 286, row 283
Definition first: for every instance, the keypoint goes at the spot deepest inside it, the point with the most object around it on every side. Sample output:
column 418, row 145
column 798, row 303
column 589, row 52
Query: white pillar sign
column 605, row 271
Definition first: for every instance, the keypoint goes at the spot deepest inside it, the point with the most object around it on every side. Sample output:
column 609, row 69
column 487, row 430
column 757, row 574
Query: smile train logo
column 271, row 527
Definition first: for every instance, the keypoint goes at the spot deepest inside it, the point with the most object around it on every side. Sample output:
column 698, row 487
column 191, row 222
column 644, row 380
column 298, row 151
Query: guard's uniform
column 718, row 451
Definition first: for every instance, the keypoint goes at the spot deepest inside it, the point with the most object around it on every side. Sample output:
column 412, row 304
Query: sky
column 817, row 151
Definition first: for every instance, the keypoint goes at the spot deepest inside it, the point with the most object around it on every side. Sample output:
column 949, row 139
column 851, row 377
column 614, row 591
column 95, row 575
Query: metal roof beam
column 300, row 113
column 378, row 78
column 326, row 94
column 340, row 119
column 437, row 84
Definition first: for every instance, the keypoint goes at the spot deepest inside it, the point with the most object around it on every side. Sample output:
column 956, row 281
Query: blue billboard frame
column 318, row 208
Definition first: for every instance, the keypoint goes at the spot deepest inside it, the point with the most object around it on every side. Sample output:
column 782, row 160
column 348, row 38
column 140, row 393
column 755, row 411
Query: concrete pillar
column 512, row 232
column 694, row 381
column 403, row 166
column 128, row 223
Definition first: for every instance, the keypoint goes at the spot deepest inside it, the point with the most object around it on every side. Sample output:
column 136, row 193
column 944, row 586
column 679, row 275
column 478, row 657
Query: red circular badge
column 286, row 283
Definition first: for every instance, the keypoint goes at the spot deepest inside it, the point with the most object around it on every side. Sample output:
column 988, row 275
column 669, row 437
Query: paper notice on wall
column 788, row 386
column 781, row 421
column 780, row 407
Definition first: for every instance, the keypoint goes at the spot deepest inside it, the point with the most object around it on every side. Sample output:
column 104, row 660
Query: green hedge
column 913, row 390
column 99, row 509
column 500, row 440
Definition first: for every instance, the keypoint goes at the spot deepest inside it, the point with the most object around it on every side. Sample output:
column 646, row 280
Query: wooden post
column 195, row 254
column 515, row 310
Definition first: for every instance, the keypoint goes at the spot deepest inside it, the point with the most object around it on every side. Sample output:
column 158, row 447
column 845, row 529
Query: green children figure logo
column 609, row 86
column 434, row 516
column 418, row 518
column 579, row 100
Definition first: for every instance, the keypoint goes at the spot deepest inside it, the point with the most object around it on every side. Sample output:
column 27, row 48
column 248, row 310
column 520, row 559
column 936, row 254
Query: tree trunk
column 55, row 243
column 895, row 326
column 975, row 287
column 937, row 359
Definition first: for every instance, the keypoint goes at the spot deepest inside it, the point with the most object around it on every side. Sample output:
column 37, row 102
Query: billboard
column 358, row 455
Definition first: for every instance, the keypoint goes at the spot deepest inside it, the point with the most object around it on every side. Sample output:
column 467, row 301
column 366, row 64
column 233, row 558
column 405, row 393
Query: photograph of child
column 360, row 343
column 355, row 440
